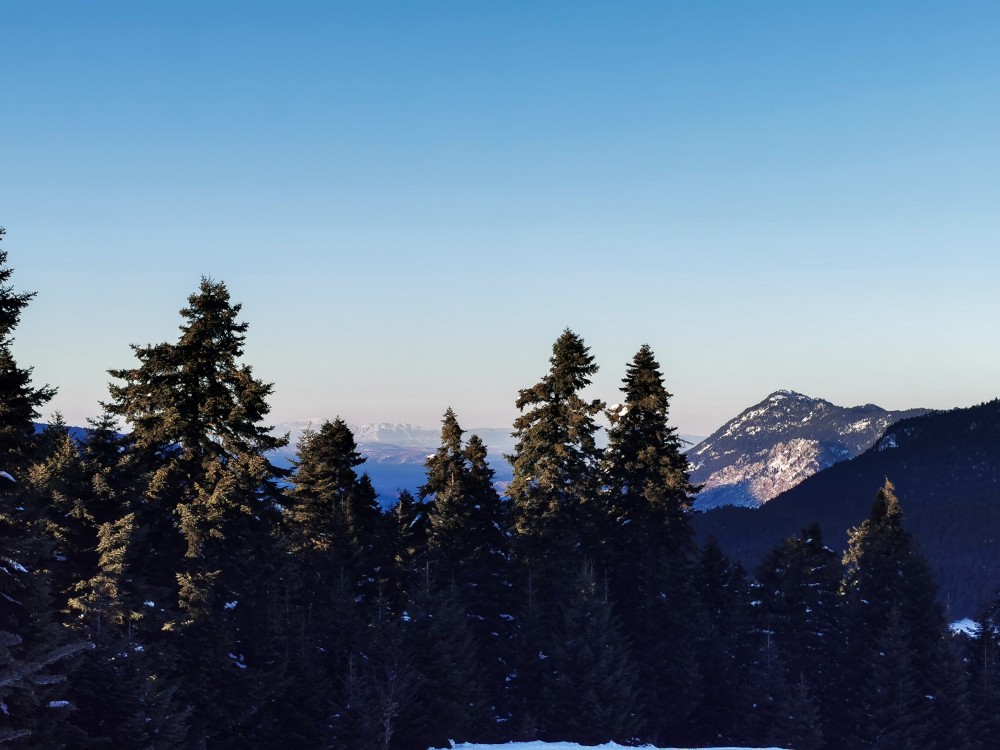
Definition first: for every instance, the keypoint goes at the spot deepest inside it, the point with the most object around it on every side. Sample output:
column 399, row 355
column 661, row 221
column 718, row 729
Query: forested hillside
column 164, row 585
column 946, row 468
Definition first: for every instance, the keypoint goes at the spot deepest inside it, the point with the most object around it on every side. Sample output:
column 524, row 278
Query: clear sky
column 413, row 200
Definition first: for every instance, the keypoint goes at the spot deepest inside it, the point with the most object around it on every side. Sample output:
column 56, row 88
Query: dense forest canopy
column 165, row 586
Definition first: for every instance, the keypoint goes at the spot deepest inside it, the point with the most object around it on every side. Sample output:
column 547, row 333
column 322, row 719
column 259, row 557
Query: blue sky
column 413, row 200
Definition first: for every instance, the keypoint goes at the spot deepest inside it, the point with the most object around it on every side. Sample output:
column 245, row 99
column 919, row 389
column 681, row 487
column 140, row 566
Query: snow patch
column 889, row 441
column 966, row 627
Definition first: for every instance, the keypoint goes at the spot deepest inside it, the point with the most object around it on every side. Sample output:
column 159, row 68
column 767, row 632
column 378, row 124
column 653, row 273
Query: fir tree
column 205, row 549
column 554, row 489
column 648, row 548
column 589, row 687
column 337, row 537
column 31, row 642
column 801, row 607
column 466, row 540
column 21, row 400
column 335, row 522
column 410, row 543
column 895, row 624
column 771, row 710
column 441, row 646
column 645, row 470
column 467, row 545
column 722, row 646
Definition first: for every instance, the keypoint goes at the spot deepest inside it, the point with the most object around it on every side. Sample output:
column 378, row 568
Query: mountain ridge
column 778, row 442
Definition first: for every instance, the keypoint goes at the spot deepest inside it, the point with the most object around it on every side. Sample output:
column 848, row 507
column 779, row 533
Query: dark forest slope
column 946, row 469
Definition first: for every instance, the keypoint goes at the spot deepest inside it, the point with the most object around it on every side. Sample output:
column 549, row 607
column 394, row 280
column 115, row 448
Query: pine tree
column 337, row 536
column 21, row 400
column 411, row 526
column 31, row 642
column 589, row 685
column 466, row 539
column 895, row 624
column 205, row 548
column 441, row 646
column 554, row 489
column 801, row 607
column 58, row 490
column 645, row 470
column 335, row 522
column 771, row 710
column 722, row 646
column 648, row 547
column 467, row 546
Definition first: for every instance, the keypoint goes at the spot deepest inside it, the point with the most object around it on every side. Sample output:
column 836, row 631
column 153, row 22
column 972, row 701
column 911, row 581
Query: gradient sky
column 413, row 200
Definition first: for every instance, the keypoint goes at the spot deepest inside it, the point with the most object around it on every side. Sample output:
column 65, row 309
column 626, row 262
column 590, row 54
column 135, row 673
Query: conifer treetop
column 196, row 394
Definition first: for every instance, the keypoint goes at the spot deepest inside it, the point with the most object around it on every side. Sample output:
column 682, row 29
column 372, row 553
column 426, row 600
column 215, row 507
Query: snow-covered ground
column 571, row 746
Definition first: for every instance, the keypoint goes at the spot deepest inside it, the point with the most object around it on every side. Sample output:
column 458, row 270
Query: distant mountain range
column 946, row 470
column 775, row 444
column 396, row 451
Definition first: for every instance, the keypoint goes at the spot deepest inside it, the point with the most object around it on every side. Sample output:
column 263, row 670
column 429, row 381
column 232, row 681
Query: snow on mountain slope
column 775, row 444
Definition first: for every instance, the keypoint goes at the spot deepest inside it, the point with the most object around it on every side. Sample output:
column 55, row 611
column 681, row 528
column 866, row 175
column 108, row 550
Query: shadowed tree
column 896, row 628
column 30, row 641
column 648, row 549
column 205, row 548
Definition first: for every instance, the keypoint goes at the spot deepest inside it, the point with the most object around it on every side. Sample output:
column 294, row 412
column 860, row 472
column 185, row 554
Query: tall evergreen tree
column 21, row 400
column 334, row 519
column 205, row 548
column 453, row 702
column 467, row 544
column 801, row 608
column 30, row 641
column 724, row 651
column 648, row 548
column 554, row 489
column 895, row 626
column 772, row 711
column 589, row 683
column 645, row 470
column 337, row 537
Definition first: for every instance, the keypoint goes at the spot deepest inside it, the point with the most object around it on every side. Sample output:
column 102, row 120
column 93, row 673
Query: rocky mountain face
column 774, row 445
column 945, row 466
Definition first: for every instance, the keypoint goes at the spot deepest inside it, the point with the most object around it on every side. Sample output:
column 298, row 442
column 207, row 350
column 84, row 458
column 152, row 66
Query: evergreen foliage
column 205, row 553
column 801, row 610
column 31, row 643
column 165, row 588
column 466, row 537
column 589, row 685
column 554, row 490
column 647, row 545
column 896, row 628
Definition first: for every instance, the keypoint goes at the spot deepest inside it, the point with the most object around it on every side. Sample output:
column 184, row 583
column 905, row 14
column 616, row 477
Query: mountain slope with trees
column 946, row 469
